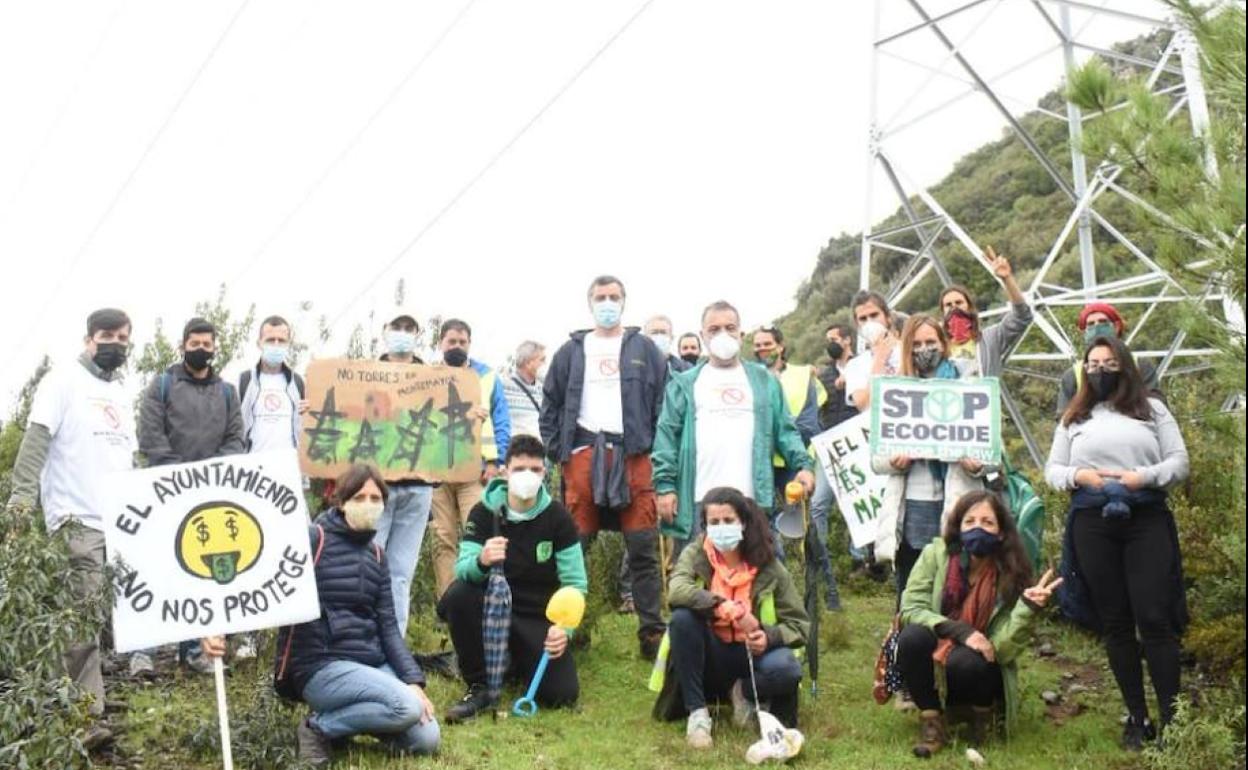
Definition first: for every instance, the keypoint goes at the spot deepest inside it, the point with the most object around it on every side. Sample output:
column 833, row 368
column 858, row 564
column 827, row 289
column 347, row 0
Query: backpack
column 282, row 683
column 1027, row 508
column 244, row 380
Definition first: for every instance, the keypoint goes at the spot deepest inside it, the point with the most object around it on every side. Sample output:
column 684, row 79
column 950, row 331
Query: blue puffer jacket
column 357, row 612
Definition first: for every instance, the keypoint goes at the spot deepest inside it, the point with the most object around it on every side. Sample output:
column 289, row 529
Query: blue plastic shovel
column 527, row 706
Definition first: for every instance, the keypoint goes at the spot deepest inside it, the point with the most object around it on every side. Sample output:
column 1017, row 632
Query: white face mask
column 870, row 333
column 400, row 343
column 724, row 347
column 662, row 341
column 362, row 515
column 525, row 484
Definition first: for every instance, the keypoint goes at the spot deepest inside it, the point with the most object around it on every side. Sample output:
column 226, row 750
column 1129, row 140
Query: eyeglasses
column 1092, row 367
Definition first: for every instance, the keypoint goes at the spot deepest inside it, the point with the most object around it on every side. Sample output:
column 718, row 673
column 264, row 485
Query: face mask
column 524, row 484
column 541, row 372
column 1103, row 329
column 725, row 537
column 690, row 358
column 835, row 350
column 724, row 346
column 1104, row 384
column 400, row 343
column 455, row 357
column 927, row 359
column 869, row 332
column 109, row 355
column 361, row 515
column 607, row 313
column 197, row 359
column 662, row 341
column 960, row 325
column 980, row 542
column 274, row 355
column 767, row 359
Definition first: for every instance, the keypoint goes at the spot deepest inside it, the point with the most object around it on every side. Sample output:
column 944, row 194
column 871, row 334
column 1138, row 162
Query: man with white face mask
column 601, row 399
column 659, row 329
column 271, row 409
column 519, row 525
column 880, row 352
column 712, row 432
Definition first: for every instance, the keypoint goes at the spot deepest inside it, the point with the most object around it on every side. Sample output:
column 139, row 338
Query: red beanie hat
column 1100, row 307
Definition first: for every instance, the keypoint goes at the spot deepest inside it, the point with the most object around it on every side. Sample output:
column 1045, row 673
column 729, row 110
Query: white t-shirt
column 724, row 425
column 858, row 372
column 274, row 414
column 602, row 407
column 92, row 427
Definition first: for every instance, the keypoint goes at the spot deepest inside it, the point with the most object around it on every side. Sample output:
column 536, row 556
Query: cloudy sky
column 495, row 155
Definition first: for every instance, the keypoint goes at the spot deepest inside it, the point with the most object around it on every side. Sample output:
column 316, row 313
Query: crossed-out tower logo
column 218, row 541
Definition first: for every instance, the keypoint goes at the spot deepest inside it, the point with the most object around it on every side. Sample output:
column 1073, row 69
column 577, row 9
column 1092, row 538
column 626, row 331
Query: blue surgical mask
column 607, row 313
column 274, row 355
column 400, row 343
column 980, row 542
column 1102, row 329
column 725, row 537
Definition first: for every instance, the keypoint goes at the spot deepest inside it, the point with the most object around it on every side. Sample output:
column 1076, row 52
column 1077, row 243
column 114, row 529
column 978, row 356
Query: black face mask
column 109, row 355
column 197, row 360
column 690, row 358
column 455, row 357
column 835, row 351
column 1104, row 384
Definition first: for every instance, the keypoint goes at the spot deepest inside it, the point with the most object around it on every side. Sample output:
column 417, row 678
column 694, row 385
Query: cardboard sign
column 411, row 421
column 936, row 419
column 214, row 547
column 845, row 454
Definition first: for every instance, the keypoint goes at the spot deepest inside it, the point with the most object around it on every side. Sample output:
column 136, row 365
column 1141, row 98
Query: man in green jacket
column 721, row 424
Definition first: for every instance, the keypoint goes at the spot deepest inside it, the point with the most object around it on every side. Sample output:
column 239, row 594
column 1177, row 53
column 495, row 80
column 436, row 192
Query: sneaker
column 698, row 730
column 742, row 709
column 1135, row 733
column 314, row 748
column 649, row 644
column 199, row 663
column 476, row 700
column 141, row 666
column 246, row 648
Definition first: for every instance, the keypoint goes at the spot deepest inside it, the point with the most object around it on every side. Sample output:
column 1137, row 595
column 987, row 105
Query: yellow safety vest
column 794, row 381
column 489, row 449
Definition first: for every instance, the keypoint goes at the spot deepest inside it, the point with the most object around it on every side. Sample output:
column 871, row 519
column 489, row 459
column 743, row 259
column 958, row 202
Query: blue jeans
column 400, row 532
column 821, row 504
column 350, row 698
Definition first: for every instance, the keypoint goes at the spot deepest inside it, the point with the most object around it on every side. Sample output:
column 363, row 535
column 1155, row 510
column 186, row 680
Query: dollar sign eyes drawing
column 218, row 541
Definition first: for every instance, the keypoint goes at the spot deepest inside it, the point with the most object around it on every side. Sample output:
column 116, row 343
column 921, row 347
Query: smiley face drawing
column 218, row 541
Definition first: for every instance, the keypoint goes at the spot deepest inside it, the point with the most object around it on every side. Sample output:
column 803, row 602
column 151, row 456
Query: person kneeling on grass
column 519, row 525
column 351, row 664
column 966, row 608
column 731, row 600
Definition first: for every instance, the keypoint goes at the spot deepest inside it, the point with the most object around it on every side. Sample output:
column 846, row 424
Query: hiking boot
column 476, row 700
column 981, row 725
column 698, row 730
column 742, row 708
column 198, row 662
column 314, row 748
column 932, row 736
column 650, row 641
column 1135, row 733
column 96, row 737
column 141, row 666
column 246, row 648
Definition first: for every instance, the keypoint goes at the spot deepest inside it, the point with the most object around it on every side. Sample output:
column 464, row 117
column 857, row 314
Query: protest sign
column 936, row 419
column 213, row 547
column 411, row 421
column 845, row 454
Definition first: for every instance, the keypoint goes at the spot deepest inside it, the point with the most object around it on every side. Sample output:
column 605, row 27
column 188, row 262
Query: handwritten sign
column 845, row 454
column 936, row 419
column 411, row 421
column 213, row 547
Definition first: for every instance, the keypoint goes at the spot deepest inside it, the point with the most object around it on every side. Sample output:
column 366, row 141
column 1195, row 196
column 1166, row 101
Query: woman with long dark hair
column 979, row 352
column 731, row 600
column 967, row 608
column 1118, row 449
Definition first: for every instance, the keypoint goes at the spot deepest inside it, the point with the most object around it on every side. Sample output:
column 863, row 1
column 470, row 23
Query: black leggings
column 969, row 677
column 461, row 607
column 1128, row 566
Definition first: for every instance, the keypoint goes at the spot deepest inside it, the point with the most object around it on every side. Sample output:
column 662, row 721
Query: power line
column 494, row 159
column 351, row 144
column 125, row 185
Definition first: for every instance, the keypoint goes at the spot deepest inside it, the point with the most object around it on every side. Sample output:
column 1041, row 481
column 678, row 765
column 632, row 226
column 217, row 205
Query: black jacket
column 643, row 377
column 835, row 410
column 357, row 620
column 182, row 419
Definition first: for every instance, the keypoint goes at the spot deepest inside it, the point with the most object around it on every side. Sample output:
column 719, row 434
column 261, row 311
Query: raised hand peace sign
column 1039, row 593
column 1000, row 266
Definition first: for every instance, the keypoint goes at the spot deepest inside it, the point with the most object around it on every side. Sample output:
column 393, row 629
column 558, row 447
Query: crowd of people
column 665, row 439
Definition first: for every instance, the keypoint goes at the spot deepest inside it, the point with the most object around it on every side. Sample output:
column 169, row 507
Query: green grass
column 612, row 727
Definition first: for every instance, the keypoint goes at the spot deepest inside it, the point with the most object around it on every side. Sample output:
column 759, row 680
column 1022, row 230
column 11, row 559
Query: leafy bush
column 1209, row 737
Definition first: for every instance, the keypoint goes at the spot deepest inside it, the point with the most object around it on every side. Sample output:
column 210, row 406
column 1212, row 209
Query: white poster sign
column 845, row 454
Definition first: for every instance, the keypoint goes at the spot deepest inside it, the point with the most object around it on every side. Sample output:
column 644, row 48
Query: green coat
column 1008, row 628
column 675, row 457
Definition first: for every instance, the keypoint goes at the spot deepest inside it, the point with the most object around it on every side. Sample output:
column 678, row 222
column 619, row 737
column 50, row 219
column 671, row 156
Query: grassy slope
column 612, row 727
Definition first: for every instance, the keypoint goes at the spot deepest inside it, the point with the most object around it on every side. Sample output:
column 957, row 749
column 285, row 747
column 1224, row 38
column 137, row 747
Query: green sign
column 930, row 419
